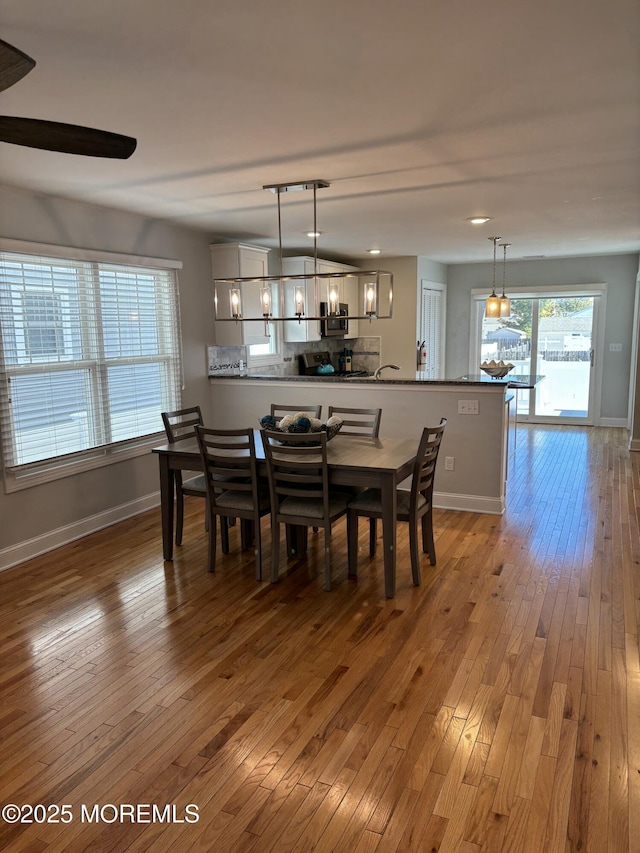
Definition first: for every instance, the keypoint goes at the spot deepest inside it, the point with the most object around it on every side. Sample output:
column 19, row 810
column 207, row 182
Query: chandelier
column 231, row 295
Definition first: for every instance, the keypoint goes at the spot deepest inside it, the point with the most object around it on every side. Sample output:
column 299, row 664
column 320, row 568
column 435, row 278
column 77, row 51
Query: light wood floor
column 495, row 708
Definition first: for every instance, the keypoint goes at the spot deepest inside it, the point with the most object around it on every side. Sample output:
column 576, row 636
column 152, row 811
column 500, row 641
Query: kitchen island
column 472, row 469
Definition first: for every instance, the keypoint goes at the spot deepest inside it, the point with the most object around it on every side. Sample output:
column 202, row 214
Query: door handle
column 591, row 356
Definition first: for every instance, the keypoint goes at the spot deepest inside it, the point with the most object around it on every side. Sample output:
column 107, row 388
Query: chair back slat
column 358, row 421
column 279, row 411
column 182, row 423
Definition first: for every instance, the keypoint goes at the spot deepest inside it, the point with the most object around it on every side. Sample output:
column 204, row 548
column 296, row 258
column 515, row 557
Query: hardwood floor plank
column 494, row 708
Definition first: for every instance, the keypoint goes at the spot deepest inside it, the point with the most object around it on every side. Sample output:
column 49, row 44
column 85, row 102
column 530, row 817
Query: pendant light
column 377, row 285
column 505, row 302
column 492, row 305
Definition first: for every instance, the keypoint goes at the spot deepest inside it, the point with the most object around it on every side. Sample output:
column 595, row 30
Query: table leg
column 167, row 486
column 389, row 511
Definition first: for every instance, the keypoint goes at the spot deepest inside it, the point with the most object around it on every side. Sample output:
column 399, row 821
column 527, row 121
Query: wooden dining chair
column 358, row 421
column 232, row 485
column 413, row 506
column 364, row 422
column 179, row 426
column 278, row 411
column 299, row 491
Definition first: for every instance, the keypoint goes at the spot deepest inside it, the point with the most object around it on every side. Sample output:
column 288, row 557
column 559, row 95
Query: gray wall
column 618, row 271
column 46, row 219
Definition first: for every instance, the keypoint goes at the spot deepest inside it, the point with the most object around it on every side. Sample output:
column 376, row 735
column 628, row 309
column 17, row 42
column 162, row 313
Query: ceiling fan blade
column 67, row 138
column 14, row 64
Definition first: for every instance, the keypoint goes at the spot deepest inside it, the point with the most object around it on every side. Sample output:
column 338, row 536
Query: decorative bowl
column 496, row 370
column 302, row 426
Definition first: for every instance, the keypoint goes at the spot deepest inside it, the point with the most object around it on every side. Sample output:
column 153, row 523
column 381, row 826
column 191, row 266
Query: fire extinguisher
column 422, row 360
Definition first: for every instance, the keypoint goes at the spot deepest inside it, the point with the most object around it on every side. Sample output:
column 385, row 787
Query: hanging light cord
column 505, row 246
column 495, row 242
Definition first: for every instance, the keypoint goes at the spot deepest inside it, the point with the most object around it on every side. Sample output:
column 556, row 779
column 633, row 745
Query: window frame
column 24, row 475
column 273, row 357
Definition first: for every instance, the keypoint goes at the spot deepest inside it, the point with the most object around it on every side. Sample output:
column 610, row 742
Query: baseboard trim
column 31, row 548
column 613, row 422
column 469, row 503
column 634, row 444
column 23, row 551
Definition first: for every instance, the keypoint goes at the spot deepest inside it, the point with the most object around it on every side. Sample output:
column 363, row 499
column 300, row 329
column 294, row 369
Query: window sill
column 98, row 458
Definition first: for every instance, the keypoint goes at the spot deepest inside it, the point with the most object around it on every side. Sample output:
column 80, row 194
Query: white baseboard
column 469, row 503
column 69, row 533
column 613, row 422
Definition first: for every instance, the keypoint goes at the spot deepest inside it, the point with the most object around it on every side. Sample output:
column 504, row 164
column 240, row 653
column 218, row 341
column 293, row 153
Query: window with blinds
column 90, row 357
column 431, row 329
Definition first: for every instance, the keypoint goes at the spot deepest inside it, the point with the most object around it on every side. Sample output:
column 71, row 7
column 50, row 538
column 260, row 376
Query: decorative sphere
column 301, row 424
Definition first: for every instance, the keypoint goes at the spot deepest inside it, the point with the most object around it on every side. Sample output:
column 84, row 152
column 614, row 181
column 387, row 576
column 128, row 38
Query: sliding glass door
column 550, row 336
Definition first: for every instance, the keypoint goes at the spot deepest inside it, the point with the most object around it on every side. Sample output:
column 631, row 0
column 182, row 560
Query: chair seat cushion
column 242, row 500
column 312, row 507
column 196, row 483
column 369, row 501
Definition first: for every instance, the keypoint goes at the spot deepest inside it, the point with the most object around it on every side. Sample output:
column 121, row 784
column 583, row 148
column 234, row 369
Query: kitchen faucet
column 376, row 374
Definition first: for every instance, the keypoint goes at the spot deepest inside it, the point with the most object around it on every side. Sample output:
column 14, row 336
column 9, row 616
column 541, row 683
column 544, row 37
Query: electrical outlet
column 615, row 347
column 467, row 407
column 449, row 462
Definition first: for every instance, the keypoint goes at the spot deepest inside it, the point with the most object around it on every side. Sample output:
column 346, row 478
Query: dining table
column 361, row 461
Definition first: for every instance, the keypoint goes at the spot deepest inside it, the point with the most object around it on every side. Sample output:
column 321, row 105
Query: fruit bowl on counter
column 496, row 369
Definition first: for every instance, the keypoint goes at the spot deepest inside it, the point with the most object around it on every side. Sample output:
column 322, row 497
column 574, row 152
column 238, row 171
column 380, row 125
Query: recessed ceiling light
column 479, row 220
column 314, row 233
column 374, row 251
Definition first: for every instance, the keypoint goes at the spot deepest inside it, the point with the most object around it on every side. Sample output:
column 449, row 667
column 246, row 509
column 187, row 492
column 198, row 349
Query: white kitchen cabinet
column 309, row 330
column 239, row 260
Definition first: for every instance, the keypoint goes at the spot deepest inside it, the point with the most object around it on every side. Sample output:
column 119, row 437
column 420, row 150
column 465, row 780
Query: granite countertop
column 511, row 380
column 388, row 379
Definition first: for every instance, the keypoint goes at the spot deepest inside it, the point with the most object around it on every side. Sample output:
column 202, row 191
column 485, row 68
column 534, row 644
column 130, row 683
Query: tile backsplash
column 232, row 361
column 226, row 361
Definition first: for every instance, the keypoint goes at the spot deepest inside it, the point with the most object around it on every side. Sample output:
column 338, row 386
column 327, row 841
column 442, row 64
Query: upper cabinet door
column 239, row 260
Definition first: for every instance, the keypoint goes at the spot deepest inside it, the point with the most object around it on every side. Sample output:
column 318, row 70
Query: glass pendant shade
column 370, row 299
column 235, row 303
column 492, row 306
column 266, row 301
column 334, row 298
column 505, row 306
column 299, row 302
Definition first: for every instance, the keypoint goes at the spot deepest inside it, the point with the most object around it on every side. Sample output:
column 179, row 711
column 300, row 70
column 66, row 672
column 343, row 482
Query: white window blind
column 431, row 329
column 90, row 357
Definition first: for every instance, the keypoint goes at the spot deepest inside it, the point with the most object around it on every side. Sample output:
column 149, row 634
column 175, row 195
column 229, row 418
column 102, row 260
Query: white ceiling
column 419, row 113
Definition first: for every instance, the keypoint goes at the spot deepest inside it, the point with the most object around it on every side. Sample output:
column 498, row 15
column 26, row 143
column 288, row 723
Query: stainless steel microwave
column 335, row 324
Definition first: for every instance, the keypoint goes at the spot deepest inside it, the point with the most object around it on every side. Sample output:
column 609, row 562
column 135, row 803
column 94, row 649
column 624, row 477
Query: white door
column 430, row 331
